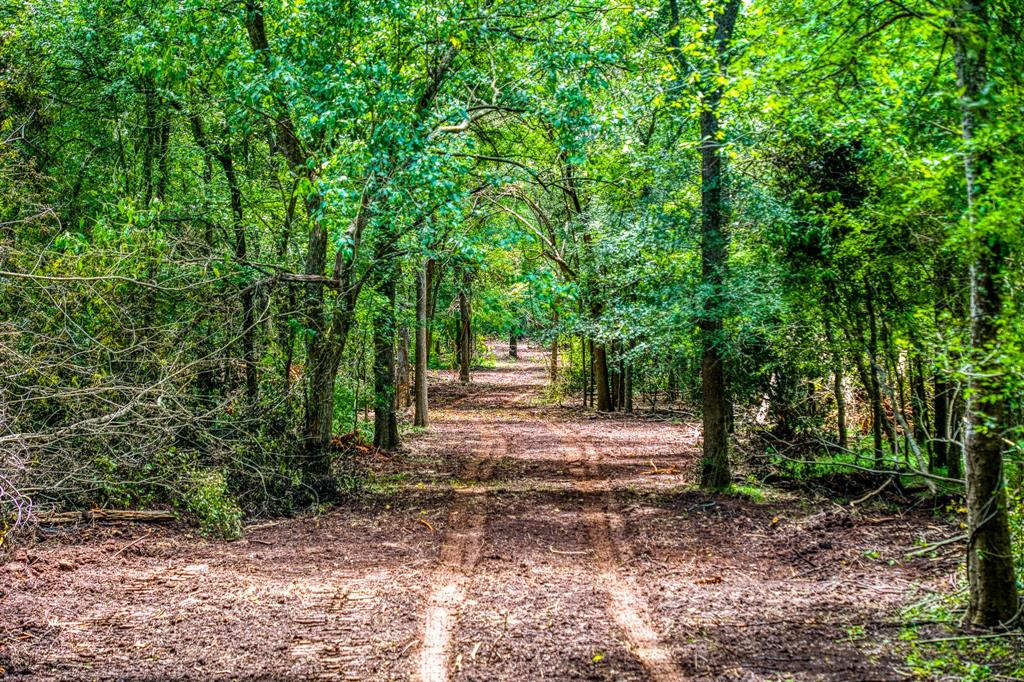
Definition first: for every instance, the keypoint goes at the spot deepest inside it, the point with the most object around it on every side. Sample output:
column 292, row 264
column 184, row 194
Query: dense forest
column 239, row 240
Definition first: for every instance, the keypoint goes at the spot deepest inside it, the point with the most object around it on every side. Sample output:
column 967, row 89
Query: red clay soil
column 511, row 541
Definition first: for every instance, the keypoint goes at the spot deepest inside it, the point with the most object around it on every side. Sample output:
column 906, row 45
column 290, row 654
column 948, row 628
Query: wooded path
column 529, row 542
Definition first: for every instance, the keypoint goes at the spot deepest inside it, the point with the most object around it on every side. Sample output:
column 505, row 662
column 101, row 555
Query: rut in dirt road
column 513, row 540
column 458, row 557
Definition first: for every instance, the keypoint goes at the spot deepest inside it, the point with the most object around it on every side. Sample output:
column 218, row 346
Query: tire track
column 627, row 608
column 458, row 557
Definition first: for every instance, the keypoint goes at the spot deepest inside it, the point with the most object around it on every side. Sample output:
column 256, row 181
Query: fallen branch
column 567, row 552
column 107, row 515
column 963, row 638
column 131, row 544
column 936, row 545
column 871, row 494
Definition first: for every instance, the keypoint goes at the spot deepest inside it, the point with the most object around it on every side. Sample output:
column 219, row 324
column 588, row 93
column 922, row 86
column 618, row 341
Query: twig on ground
column 131, row 544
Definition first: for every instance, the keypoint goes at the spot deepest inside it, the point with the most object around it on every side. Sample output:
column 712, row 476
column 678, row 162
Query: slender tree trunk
column 513, row 345
column 714, row 258
column 874, row 388
column 554, row 349
column 150, row 144
column 403, row 391
column 919, row 406
column 592, row 385
column 942, row 389
column 422, row 346
column 837, row 386
column 163, row 161
column 226, row 160
column 465, row 330
column 993, row 589
column 432, row 287
column 957, row 424
column 627, row 387
column 601, row 377
column 584, row 365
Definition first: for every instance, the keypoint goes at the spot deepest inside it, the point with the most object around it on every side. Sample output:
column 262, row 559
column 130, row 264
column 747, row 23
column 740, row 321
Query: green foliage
column 946, row 653
column 206, row 496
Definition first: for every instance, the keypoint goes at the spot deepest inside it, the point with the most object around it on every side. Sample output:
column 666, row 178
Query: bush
column 206, row 496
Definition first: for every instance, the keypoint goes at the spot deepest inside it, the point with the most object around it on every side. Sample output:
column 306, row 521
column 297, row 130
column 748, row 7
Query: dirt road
column 513, row 540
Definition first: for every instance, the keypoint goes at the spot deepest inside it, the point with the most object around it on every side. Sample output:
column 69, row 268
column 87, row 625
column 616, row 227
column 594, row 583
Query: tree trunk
column 385, row 422
column 627, row 387
column 942, row 390
column 957, row 422
column 714, row 258
column 554, row 350
column 422, row 347
column 226, row 160
column 465, row 330
column 837, row 386
column 584, row 364
column 919, row 406
column 601, row 377
column 874, row 389
column 591, row 384
column 513, row 345
column 403, row 393
column 990, row 571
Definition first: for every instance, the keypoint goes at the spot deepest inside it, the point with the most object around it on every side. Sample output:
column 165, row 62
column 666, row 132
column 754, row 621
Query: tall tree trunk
column 554, row 349
column 919, row 406
column 513, row 345
column 993, row 589
column 326, row 343
column 601, row 377
column 226, row 160
column 465, row 329
column 714, row 258
column 584, row 370
column 402, row 388
column 163, row 149
column 874, row 389
column 837, row 386
column 942, row 389
column 422, row 346
column 591, row 385
column 958, row 441
column 385, row 422
column 627, row 387
column 148, row 152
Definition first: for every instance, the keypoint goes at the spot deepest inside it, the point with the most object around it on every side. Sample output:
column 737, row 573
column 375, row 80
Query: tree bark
column 465, row 330
column 714, row 258
column 226, row 160
column 837, row 386
column 942, row 389
column 422, row 346
column 993, row 597
column 385, row 422
column 402, row 389
column 554, row 349
column 919, row 406
column 627, row 387
column 601, row 377
column 874, row 388
column 513, row 345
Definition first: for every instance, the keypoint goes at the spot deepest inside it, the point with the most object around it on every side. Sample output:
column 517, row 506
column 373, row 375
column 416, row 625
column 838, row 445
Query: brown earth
column 513, row 540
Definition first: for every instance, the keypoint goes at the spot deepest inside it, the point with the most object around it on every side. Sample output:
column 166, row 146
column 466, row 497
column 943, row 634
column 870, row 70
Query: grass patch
column 935, row 649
